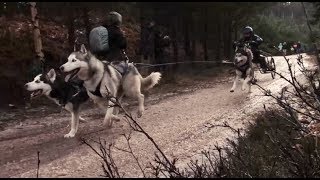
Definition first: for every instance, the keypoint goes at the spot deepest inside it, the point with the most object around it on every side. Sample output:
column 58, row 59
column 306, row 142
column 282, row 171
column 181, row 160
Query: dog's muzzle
column 240, row 62
column 61, row 68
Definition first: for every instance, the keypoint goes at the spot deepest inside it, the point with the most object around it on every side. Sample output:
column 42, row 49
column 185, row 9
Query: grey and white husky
column 244, row 69
column 65, row 94
column 103, row 79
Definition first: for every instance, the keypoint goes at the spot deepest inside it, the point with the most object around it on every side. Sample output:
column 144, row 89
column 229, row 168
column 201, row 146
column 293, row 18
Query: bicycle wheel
column 273, row 68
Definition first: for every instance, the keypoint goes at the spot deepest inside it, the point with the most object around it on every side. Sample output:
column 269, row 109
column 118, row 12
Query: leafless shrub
column 276, row 145
column 300, row 100
column 109, row 167
column 130, row 151
column 163, row 163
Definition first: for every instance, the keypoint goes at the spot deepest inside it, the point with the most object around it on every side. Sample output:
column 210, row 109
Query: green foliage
column 316, row 14
column 275, row 30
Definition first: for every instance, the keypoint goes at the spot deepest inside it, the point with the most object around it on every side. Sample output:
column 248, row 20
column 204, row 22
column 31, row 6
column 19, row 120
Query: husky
column 65, row 94
column 244, row 69
column 103, row 79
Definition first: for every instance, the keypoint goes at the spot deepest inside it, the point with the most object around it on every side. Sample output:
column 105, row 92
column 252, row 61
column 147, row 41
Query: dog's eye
column 73, row 60
column 37, row 81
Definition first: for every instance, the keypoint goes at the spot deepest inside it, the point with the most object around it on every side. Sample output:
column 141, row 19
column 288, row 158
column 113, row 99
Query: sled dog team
column 101, row 79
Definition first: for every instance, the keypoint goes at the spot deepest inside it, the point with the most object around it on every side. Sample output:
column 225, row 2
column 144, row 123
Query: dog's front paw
column 70, row 135
column 139, row 113
column 231, row 90
column 107, row 124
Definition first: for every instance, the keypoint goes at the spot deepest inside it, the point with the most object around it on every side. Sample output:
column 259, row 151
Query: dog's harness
column 243, row 68
column 63, row 99
column 122, row 71
column 122, row 68
column 96, row 92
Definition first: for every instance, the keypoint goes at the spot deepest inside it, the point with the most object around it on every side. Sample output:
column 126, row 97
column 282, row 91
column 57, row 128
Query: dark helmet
column 247, row 31
column 114, row 18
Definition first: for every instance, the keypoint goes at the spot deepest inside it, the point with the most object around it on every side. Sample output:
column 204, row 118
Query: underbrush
column 278, row 144
column 272, row 147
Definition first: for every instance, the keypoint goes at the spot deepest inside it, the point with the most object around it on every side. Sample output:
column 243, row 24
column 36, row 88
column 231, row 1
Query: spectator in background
column 280, row 47
column 147, row 40
column 305, row 48
column 295, row 48
column 299, row 48
column 153, row 44
column 161, row 41
column 284, row 48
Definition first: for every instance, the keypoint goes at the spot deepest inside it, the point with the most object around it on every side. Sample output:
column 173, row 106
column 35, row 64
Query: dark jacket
column 298, row 45
column 160, row 43
column 117, row 43
column 255, row 41
column 147, row 41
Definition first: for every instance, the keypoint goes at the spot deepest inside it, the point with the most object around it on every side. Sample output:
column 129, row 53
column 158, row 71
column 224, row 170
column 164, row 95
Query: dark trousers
column 258, row 59
column 159, row 59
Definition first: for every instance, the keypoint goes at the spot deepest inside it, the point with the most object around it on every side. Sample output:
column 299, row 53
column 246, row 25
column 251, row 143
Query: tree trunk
column 218, row 38
column 225, row 36
column 205, row 36
column 36, row 32
column 187, row 36
column 279, row 9
column 193, row 40
column 71, row 29
column 235, row 31
column 312, row 38
column 87, row 22
column 143, row 40
column 229, row 36
column 175, row 42
column 142, row 31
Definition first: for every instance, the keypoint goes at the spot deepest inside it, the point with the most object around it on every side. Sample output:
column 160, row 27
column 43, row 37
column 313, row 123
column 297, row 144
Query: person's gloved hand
column 253, row 43
column 123, row 32
column 235, row 44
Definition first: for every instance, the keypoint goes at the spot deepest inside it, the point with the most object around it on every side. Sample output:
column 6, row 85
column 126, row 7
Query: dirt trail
column 176, row 123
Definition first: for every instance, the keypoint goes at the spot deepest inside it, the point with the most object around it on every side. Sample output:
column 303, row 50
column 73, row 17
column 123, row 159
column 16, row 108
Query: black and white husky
column 103, row 79
column 65, row 94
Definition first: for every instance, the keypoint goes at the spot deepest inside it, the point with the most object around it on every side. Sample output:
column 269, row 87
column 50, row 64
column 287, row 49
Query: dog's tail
column 149, row 81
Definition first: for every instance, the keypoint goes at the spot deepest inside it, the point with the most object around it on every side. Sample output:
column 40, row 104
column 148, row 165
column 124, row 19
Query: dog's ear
column 236, row 49
column 245, row 48
column 83, row 49
column 51, row 75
